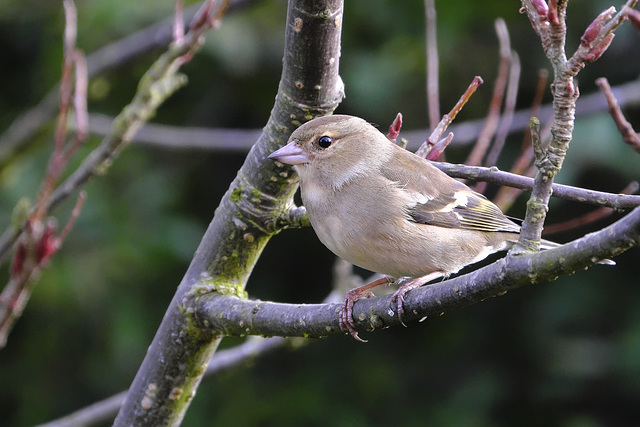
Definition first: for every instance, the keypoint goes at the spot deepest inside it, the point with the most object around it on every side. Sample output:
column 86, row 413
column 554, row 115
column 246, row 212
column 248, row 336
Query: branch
column 431, row 42
column 496, row 176
column 105, row 410
column 587, row 218
column 491, row 123
column 629, row 136
column 552, row 30
column 309, row 87
column 38, row 242
column 509, row 110
column 195, row 138
column 159, row 82
column 434, row 139
column 296, row 216
column 218, row 313
column 25, row 127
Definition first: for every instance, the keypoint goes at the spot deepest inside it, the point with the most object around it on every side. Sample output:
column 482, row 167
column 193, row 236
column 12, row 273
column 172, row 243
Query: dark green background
column 565, row 353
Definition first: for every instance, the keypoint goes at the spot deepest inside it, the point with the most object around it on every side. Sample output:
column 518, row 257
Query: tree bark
column 319, row 320
column 245, row 220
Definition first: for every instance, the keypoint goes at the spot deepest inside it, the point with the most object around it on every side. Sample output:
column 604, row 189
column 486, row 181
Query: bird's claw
column 397, row 299
column 346, row 313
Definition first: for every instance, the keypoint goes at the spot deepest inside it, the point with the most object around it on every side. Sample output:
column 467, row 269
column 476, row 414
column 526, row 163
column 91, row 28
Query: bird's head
column 334, row 149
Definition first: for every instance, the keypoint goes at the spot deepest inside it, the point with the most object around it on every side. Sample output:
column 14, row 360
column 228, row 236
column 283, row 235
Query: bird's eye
column 325, row 141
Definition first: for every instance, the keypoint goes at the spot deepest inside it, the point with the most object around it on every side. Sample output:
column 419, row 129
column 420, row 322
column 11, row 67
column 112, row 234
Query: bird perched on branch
column 387, row 210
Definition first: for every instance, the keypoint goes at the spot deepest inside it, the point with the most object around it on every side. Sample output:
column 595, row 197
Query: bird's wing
column 434, row 198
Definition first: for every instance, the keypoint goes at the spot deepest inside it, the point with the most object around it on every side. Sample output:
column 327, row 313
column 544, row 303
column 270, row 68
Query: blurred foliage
column 565, row 353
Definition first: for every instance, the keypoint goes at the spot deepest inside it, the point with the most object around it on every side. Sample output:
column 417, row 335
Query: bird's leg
column 350, row 298
column 398, row 297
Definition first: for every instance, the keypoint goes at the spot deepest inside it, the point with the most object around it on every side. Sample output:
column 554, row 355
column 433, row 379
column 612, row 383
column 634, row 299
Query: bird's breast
column 351, row 224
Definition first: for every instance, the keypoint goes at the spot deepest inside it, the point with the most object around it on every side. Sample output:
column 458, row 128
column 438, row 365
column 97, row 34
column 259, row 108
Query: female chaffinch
column 387, row 210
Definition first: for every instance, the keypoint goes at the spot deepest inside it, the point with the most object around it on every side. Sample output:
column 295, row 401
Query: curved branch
column 218, row 313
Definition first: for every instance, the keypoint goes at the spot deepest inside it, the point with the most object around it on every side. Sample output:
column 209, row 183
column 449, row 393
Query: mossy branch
column 247, row 217
column 233, row 316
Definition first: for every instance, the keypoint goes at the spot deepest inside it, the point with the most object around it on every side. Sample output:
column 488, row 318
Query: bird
column 387, row 210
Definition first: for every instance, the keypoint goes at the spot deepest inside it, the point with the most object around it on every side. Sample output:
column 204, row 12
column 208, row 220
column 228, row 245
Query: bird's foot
column 397, row 299
column 346, row 313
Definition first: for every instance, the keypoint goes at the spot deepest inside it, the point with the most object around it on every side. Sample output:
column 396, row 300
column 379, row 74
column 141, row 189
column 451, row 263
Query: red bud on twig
column 541, row 7
column 597, row 51
column 594, row 28
column 48, row 243
column 438, row 147
column 395, row 127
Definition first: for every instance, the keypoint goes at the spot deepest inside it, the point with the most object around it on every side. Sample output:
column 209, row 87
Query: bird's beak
column 291, row 154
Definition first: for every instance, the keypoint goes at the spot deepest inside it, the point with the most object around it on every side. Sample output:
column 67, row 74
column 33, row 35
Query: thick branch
column 244, row 221
column 242, row 317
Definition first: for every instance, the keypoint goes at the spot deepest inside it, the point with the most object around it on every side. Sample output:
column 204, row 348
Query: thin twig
column 507, row 117
column 178, row 23
column 634, row 18
column 587, row 218
column 491, row 123
column 536, row 105
column 509, row 110
column 629, row 136
column 433, row 92
column 75, row 213
column 38, row 241
column 436, row 135
column 23, row 129
column 576, row 194
column 160, row 82
column 507, row 195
